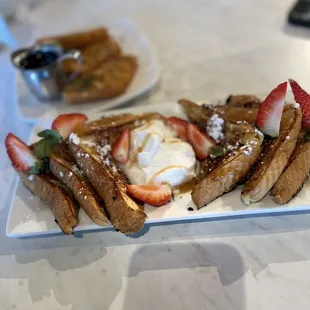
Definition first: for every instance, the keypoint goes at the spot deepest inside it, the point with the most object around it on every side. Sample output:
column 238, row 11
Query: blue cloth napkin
column 6, row 37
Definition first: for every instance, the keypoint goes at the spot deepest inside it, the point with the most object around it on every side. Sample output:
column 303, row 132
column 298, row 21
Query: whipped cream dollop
column 157, row 156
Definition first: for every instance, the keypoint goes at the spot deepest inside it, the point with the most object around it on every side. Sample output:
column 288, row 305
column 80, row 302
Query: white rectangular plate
column 29, row 217
column 133, row 42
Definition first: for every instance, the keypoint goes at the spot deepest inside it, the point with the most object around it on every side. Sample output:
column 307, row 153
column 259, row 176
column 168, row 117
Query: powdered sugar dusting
column 103, row 151
column 89, row 143
column 252, row 142
column 246, row 149
column 230, row 147
column 74, row 138
column 258, row 132
column 104, row 155
column 106, row 161
column 76, row 169
column 30, row 177
column 215, row 127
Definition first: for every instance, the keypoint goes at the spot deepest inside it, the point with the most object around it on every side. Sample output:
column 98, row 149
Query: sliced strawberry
column 270, row 112
column 155, row 195
column 120, row 149
column 20, row 154
column 66, row 123
column 303, row 99
column 200, row 141
column 179, row 125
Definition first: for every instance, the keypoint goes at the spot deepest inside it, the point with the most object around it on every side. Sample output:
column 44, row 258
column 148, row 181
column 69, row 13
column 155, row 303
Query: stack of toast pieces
column 84, row 174
column 260, row 164
column 105, row 73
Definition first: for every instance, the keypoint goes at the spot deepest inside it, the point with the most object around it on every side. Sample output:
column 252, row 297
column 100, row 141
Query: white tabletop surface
column 207, row 50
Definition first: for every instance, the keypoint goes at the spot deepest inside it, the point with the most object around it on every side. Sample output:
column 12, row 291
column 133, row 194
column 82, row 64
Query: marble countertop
column 207, row 50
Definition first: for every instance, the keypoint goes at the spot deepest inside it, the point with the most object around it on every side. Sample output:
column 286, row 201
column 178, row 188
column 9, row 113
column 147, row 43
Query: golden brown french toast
column 77, row 39
column 243, row 101
column 124, row 213
column 93, row 56
column 232, row 167
column 63, row 167
column 114, row 121
column 200, row 114
column 109, row 79
column 56, row 196
column 275, row 156
column 295, row 174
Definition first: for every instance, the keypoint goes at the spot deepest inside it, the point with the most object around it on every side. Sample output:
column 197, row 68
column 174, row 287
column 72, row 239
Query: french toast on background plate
column 121, row 38
column 112, row 166
column 93, row 55
column 81, row 39
column 108, row 79
column 105, row 72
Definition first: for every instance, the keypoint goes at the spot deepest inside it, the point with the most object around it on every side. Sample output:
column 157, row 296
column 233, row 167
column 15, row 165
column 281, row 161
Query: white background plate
column 132, row 41
column 29, row 217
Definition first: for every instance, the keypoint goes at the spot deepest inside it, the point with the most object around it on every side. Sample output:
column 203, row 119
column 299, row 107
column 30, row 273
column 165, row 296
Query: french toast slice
column 114, row 121
column 110, row 79
column 295, row 174
column 243, row 101
column 200, row 114
column 93, row 55
column 275, row 156
column 77, row 39
column 63, row 167
column 123, row 212
column 56, row 196
column 230, row 169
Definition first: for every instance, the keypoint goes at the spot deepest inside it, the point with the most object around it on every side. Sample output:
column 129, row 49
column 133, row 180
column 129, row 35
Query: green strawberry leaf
column 217, row 151
column 40, row 166
column 44, row 148
column 50, row 134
